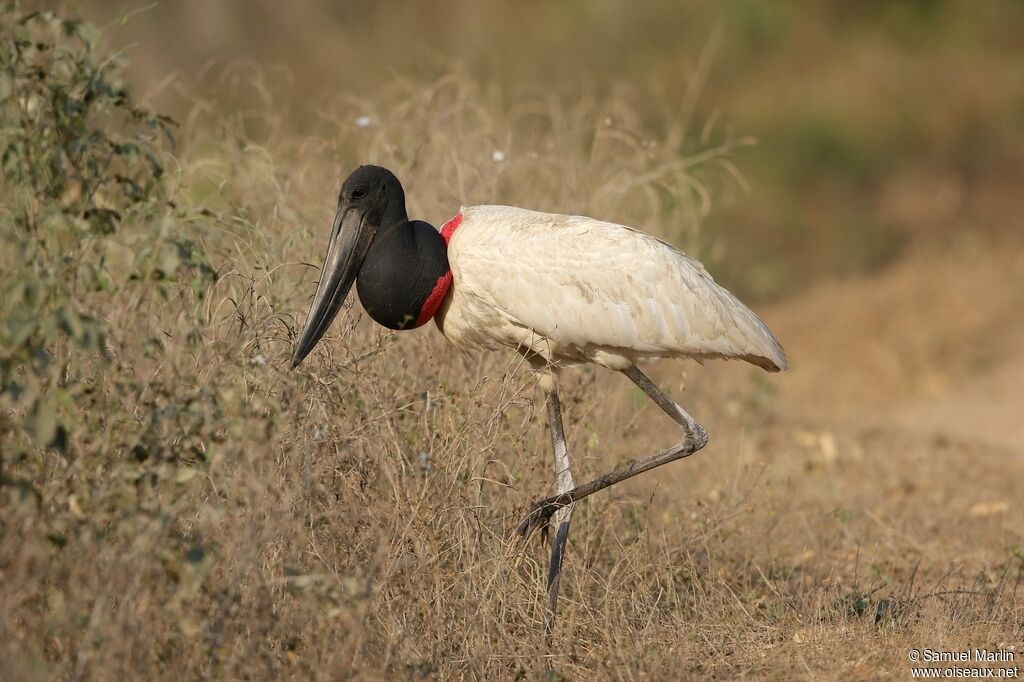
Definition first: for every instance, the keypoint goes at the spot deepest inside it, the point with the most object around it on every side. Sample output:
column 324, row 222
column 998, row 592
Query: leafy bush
column 95, row 253
column 85, row 208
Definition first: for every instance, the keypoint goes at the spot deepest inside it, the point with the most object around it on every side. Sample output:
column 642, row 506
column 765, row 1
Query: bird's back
column 581, row 290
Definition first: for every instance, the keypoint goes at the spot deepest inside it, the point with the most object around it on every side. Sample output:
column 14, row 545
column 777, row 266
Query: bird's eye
column 358, row 193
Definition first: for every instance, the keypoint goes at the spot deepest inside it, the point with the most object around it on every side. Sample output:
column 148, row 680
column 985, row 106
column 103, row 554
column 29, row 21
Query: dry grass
column 218, row 515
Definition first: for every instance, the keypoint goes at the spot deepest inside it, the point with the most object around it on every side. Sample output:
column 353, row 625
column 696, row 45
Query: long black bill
column 350, row 240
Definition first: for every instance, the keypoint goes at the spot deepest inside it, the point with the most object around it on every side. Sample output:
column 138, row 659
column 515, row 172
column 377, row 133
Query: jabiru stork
column 561, row 290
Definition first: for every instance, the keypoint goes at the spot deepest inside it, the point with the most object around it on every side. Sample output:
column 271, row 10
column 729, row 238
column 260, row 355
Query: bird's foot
column 539, row 517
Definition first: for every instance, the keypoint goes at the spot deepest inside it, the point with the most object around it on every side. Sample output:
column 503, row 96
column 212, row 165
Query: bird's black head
column 376, row 194
column 371, row 199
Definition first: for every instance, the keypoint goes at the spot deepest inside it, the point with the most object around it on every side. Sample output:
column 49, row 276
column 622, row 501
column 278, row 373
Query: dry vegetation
column 177, row 503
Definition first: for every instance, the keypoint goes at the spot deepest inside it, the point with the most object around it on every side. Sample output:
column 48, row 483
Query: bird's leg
column 693, row 440
column 563, row 515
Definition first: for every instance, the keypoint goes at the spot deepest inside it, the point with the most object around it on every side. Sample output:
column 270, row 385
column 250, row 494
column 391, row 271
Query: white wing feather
column 574, row 288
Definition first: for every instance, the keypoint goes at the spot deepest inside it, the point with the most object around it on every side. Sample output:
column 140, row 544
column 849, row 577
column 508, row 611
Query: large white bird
column 561, row 290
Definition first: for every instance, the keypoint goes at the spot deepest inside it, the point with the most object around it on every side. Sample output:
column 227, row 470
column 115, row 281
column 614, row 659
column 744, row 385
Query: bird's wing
column 586, row 283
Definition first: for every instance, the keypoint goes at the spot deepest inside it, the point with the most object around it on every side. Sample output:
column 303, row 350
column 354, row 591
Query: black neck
column 394, row 211
column 402, row 268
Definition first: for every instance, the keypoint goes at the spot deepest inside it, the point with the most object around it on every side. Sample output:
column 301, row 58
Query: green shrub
column 85, row 208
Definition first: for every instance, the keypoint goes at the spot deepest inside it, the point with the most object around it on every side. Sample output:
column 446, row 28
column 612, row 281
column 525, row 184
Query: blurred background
column 878, row 124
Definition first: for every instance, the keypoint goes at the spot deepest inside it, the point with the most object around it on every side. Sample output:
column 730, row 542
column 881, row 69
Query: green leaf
column 71, row 323
column 102, row 220
column 184, row 475
column 43, row 421
column 101, row 280
column 195, row 554
column 6, row 85
column 169, row 260
column 60, row 540
column 20, row 330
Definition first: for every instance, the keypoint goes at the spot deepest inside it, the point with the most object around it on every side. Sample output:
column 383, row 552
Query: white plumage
column 573, row 289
